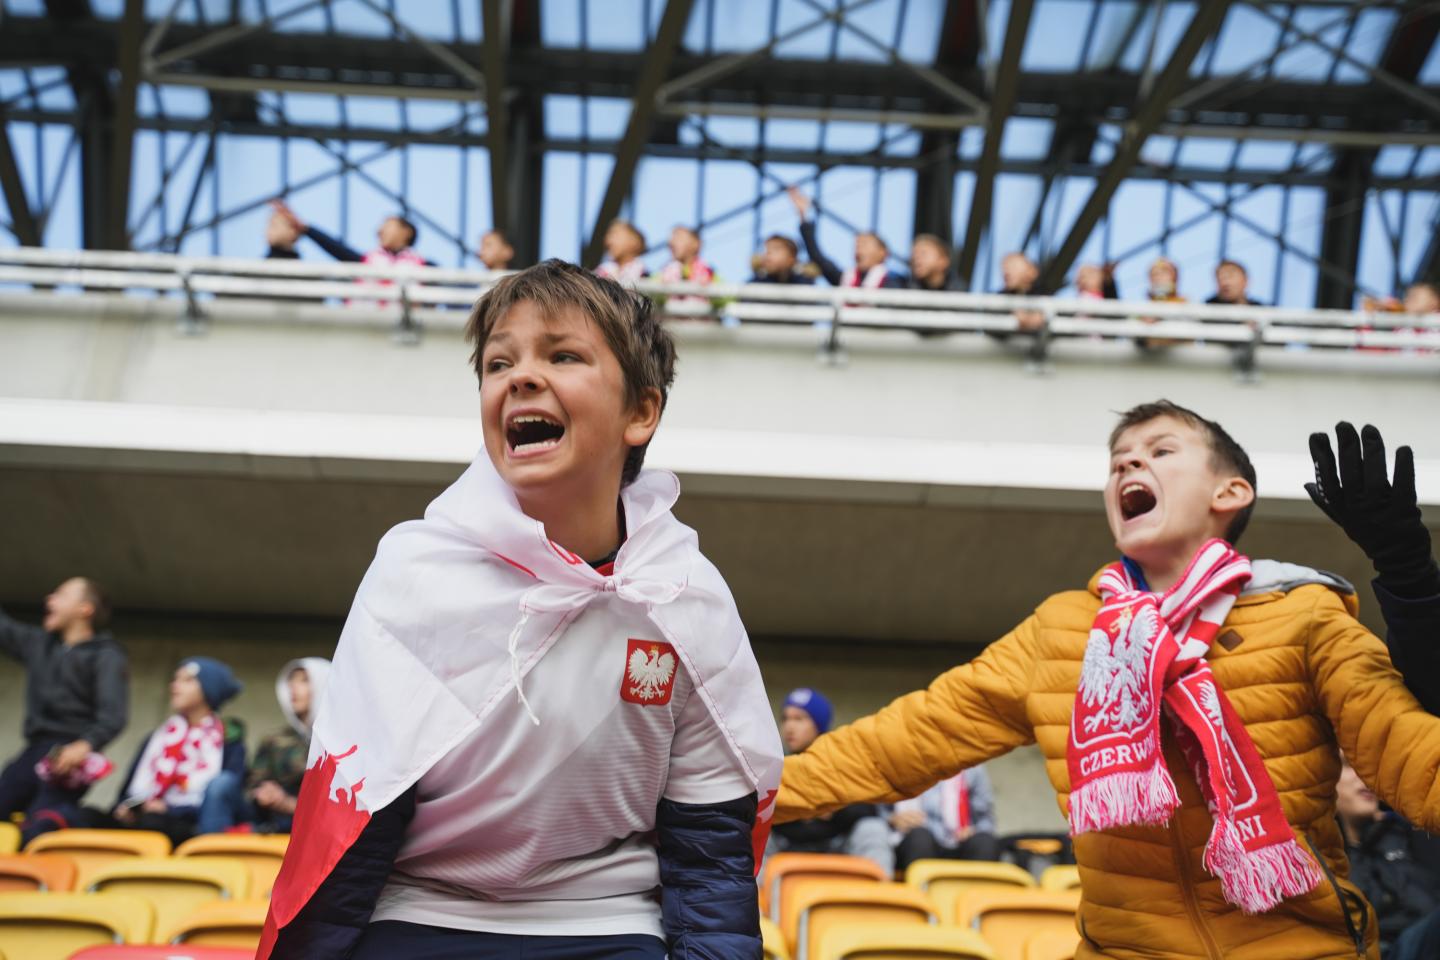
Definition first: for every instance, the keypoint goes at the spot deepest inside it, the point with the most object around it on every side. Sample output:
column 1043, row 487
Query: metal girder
column 524, row 190
column 958, row 50
column 497, row 15
column 22, row 219
column 1203, row 24
column 642, row 114
column 122, row 135
column 1002, row 101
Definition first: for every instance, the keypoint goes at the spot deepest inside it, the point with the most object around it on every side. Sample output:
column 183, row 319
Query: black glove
column 1380, row 516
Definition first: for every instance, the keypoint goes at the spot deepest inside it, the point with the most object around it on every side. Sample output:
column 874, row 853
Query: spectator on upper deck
column 281, row 235
column 496, row 251
column 1020, row 275
column 1096, row 282
column 930, row 265
column 1164, row 288
column 396, row 235
column 870, row 253
column 624, row 246
column 1231, row 283
column 778, row 262
column 685, row 264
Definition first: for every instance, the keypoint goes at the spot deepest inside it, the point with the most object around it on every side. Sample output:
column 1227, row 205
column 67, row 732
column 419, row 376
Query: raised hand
column 802, row 202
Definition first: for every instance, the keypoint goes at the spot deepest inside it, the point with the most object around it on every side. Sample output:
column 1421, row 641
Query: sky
column 446, row 189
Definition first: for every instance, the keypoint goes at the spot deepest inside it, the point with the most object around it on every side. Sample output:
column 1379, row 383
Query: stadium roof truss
column 1311, row 129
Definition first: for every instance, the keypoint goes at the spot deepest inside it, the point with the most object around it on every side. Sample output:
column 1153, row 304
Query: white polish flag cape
column 457, row 608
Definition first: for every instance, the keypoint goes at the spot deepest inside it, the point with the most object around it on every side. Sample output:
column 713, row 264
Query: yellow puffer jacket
column 1304, row 676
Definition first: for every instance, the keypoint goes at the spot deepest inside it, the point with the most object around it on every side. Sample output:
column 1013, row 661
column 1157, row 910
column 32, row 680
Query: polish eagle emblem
column 649, row 672
column 1113, row 676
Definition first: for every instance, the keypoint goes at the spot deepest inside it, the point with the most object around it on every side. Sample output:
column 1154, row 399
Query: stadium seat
column 9, row 837
column 163, row 953
column 1060, row 877
column 772, row 941
column 45, row 872
column 221, row 923
column 781, row 868
column 904, row 941
column 93, row 848
column 823, row 905
column 1009, row 918
column 946, row 880
column 262, row 853
column 52, row 926
column 175, row 886
column 1052, row 945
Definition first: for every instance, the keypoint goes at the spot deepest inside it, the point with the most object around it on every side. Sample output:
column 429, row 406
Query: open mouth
column 532, row 432
column 1136, row 500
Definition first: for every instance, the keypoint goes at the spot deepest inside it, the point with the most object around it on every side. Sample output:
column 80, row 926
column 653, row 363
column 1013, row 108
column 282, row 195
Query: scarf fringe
column 1118, row 799
column 1258, row 880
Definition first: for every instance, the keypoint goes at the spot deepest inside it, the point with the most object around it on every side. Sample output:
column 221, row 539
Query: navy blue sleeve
column 707, row 880
column 828, row 268
column 1413, row 636
column 334, row 247
column 233, row 759
column 330, row 925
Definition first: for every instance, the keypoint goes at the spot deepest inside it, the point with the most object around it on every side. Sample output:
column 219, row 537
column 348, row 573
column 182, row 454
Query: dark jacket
column 1247, row 302
column 832, row 271
column 1412, row 633
column 952, row 283
column 339, row 249
column 71, row 693
column 796, row 276
column 815, row 835
column 1384, row 867
column 282, row 253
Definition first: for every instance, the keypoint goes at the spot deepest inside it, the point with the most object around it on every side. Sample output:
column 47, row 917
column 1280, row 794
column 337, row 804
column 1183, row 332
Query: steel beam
column 1171, row 80
column 957, row 51
column 642, row 114
column 122, row 133
column 22, row 219
column 497, row 15
column 1002, row 101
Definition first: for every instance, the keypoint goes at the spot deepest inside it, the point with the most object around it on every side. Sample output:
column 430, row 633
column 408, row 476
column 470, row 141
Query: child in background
column 624, row 246
column 871, row 253
column 777, row 262
column 685, row 265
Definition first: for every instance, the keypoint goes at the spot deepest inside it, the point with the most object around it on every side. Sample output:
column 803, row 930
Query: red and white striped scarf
column 1148, row 649
column 874, row 278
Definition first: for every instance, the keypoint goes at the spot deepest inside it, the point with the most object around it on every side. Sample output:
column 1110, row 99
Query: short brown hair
column 1225, row 453
column 874, row 236
column 933, row 241
column 99, row 602
column 1232, row 263
column 785, row 242
column 627, row 320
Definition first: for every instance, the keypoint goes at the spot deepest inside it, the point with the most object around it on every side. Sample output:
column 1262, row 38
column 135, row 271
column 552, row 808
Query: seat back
column 52, row 926
column 825, row 905
column 1052, row 945
column 772, row 943
column 1062, row 876
column 221, row 923
column 783, row 869
column 1008, row 919
column 261, row 853
column 947, row 880
column 176, row 887
column 41, row 872
column 9, row 837
column 905, row 941
column 91, row 849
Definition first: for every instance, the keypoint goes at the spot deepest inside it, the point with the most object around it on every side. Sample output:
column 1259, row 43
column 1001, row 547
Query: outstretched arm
column 19, row 641
column 829, row 269
column 970, row 714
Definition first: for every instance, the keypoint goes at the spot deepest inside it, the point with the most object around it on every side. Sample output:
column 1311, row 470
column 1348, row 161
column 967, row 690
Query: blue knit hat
column 814, row 703
column 217, row 681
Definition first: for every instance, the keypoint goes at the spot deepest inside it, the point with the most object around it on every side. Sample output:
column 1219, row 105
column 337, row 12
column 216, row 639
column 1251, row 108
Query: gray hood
column 1270, row 575
column 319, row 670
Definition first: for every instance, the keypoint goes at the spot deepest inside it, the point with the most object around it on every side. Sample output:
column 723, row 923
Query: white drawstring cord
column 515, row 662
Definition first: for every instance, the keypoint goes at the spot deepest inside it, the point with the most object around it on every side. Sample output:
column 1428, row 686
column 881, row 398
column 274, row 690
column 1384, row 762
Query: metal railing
column 206, row 289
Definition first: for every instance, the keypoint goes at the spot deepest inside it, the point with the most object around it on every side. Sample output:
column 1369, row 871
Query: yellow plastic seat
column 52, row 926
column 1052, row 945
column 1060, row 877
column 175, row 886
column 946, row 880
column 42, row 872
column 905, row 941
column 261, row 853
column 221, row 923
column 783, row 868
column 93, row 848
column 9, row 837
column 772, row 941
column 1007, row 919
column 824, row 905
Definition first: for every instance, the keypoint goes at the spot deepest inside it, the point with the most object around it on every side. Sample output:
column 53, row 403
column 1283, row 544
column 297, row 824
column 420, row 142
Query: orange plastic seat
column 946, row 880
column 1060, row 877
column 41, row 872
column 1052, row 945
column 94, row 848
column 904, row 941
column 53, row 926
column 175, row 886
column 164, row 953
column 9, row 837
column 262, row 853
column 823, row 905
column 772, row 942
column 782, row 868
column 1009, row 918
column 221, row 923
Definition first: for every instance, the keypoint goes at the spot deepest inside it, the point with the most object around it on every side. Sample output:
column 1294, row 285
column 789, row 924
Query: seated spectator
column 1094, row 282
column 778, row 263
column 1020, row 275
column 77, row 700
column 953, row 820
column 1164, row 288
column 1421, row 299
column 281, row 235
column 870, row 253
column 930, row 265
column 1231, row 282
column 496, row 252
column 396, row 235
column 168, row 786
column 624, row 246
column 1384, row 865
column 858, row 829
column 685, row 265
column 265, row 797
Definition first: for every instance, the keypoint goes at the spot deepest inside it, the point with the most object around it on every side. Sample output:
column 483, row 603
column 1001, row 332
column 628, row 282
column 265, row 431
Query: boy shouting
column 545, row 733
column 1191, row 706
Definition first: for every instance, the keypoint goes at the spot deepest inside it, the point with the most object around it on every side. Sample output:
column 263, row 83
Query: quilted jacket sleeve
column 973, row 713
column 707, row 880
column 1390, row 739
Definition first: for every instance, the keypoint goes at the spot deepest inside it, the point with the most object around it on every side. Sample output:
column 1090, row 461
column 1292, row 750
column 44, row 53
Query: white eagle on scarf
column 650, row 674
column 1115, row 676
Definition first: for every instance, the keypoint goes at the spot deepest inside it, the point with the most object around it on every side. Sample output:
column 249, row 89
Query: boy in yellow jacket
column 1191, row 707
